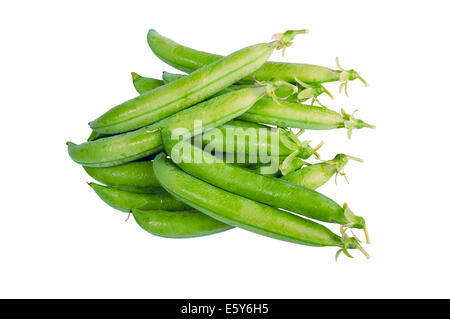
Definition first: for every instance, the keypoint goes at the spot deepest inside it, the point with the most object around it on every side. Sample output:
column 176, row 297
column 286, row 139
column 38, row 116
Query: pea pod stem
column 311, row 91
column 350, row 122
column 347, row 75
column 284, row 40
column 136, row 174
column 355, row 220
column 350, row 242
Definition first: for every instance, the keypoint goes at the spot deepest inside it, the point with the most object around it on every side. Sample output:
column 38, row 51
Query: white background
column 64, row 63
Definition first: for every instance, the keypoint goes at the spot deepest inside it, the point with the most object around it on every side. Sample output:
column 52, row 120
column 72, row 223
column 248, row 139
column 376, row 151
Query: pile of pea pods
column 218, row 146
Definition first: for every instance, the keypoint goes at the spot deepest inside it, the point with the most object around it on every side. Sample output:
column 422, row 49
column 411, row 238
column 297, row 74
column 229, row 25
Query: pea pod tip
column 135, row 76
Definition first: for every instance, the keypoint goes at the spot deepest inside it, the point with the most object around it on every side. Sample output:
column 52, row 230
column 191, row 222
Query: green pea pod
column 178, row 224
column 270, row 191
column 143, row 84
column 245, row 213
column 283, row 92
column 243, row 143
column 289, row 113
column 174, row 97
column 314, row 176
column 117, row 149
column 253, row 141
column 259, row 145
column 123, row 148
column 188, row 60
column 126, row 201
column 138, row 174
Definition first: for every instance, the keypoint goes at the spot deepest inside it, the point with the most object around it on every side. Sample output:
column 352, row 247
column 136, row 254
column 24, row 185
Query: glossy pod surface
column 214, row 112
column 139, row 174
column 264, row 189
column 178, row 224
column 239, row 211
column 188, row 60
column 249, row 140
column 281, row 92
column 293, row 114
column 297, row 115
column 166, row 100
column 125, row 201
column 117, row 149
column 127, row 147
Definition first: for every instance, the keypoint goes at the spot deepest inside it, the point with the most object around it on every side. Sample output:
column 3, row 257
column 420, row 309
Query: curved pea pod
column 188, row 60
column 245, row 213
column 144, row 84
column 284, row 92
column 289, row 114
column 314, row 176
column 127, row 147
column 136, row 174
column 267, row 190
column 174, row 97
column 242, row 143
column 125, row 201
column 256, row 141
column 117, row 149
column 178, row 224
